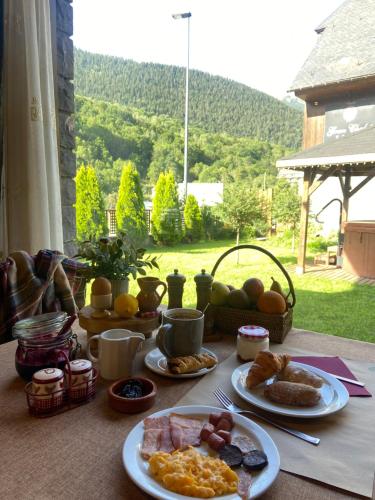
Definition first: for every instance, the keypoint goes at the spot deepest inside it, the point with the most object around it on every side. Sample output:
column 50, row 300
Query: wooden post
column 345, row 201
column 305, row 205
column 345, row 186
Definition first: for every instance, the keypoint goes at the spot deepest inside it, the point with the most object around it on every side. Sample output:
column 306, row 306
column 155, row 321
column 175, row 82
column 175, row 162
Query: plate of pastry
column 276, row 384
column 200, row 451
column 183, row 366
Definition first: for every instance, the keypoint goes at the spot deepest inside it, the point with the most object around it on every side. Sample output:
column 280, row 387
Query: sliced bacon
column 165, row 441
column 156, row 422
column 185, row 431
column 169, row 433
column 244, row 483
column 156, row 436
column 151, row 440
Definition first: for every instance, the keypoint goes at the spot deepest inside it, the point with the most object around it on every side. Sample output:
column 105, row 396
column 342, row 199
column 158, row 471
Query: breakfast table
column 78, row 454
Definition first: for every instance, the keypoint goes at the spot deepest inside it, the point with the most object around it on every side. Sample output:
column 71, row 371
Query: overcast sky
column 261, row 43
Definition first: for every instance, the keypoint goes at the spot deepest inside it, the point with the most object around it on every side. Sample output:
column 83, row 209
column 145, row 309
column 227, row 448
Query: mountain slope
column 216, row 104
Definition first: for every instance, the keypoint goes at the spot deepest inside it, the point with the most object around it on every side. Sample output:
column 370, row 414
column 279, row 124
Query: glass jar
column 251, row 339
column 40, row 344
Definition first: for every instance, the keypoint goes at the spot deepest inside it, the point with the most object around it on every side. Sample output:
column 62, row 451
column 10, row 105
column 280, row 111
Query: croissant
column 265, row 365
column 290, row 393
column 295, row 374
column 188, row 364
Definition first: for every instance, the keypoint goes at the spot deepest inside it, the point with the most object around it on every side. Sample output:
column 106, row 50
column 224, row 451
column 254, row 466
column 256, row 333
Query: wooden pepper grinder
column 204, row 286
column 175, row 289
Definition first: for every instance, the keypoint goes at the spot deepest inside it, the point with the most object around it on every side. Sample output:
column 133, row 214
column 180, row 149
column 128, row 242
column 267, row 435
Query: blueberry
column 132, row 389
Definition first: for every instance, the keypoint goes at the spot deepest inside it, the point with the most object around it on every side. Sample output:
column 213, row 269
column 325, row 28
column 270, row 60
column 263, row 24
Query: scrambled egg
column 190, row 473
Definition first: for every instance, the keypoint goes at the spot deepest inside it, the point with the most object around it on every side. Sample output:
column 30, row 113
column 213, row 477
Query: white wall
column 361, row 205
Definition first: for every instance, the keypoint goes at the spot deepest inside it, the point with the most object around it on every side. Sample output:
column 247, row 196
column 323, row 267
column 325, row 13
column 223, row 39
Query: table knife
column 348, row 380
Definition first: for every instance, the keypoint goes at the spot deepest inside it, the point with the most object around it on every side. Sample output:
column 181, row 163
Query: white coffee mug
column 117, row 350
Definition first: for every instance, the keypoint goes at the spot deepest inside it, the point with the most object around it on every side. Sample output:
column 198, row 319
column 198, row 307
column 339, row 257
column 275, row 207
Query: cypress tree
column 193, row 219
column 90, row 214
column 166, row 216
column 130, row 210
column 157, row 207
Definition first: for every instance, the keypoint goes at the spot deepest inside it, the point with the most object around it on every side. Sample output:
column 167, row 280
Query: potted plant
column 116, row 259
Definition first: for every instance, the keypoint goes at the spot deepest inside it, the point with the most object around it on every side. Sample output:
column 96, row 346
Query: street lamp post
column 186, row 15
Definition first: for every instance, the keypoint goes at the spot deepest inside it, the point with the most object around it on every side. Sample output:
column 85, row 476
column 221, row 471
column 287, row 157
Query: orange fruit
column 271, row 302
column 125, row 305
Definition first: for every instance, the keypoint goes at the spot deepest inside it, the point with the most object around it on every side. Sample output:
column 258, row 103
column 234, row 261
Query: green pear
column 219, row 293
column 276, row 287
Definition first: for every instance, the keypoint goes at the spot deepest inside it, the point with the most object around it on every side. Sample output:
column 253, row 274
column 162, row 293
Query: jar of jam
column 250, row 340
column 41, row 345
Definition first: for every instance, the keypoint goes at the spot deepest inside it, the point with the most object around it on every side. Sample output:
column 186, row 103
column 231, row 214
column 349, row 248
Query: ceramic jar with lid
column 81, row 374
column 48, row 388
column 251, row 339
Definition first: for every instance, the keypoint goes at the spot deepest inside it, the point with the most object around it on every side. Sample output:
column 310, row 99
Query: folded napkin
column 336, row 366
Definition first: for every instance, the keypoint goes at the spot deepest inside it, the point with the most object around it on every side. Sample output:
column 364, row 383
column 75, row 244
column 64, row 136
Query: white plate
column 157, row 362
column 137, row 468
column 334, row 395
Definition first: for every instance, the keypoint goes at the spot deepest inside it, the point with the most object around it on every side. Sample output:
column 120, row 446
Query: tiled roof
column 345, row 48
column 357, row 148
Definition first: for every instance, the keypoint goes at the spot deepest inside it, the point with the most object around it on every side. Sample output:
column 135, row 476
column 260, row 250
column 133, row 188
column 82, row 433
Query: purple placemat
column 336, row 366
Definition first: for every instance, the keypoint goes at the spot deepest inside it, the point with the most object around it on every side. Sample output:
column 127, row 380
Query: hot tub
column 359, row 248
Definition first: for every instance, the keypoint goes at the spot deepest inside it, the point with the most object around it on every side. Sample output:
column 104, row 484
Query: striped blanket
column 31, row 285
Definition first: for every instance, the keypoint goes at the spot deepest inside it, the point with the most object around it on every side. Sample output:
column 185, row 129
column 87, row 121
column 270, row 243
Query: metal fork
column 229, row 405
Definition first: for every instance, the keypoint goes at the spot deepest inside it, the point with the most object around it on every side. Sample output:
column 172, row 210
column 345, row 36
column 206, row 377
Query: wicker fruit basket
column 225, row 319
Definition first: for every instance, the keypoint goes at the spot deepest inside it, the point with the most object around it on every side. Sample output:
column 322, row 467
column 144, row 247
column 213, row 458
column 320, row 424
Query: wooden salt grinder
column 175, row 289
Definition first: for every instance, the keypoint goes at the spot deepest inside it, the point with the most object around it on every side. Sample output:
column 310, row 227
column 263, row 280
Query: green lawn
column 333, row 307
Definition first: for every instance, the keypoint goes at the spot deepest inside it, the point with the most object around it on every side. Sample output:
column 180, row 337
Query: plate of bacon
column 200, row 452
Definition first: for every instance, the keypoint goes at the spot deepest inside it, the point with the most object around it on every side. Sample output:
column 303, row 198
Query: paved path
column 333, row 273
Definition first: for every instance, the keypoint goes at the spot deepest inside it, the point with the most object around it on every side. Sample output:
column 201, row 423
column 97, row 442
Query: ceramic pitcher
column 117, row 350
column 148, row 298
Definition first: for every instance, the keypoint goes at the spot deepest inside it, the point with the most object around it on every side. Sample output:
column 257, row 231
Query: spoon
column 68, row 323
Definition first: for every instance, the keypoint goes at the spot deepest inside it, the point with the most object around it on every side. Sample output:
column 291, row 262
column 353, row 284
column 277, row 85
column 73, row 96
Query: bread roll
column 292, row 373
column 290, row 393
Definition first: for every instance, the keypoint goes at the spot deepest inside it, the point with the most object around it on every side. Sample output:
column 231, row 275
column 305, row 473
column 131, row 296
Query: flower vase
column 119, row 287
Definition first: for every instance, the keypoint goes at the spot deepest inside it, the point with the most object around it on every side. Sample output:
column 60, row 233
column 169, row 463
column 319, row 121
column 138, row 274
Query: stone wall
column 62, row 22
column 1, row 86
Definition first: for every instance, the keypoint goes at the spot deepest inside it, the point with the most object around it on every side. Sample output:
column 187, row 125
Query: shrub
column 213, row 226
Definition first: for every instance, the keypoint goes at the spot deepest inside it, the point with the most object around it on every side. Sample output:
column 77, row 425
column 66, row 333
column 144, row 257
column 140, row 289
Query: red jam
column 40, row 345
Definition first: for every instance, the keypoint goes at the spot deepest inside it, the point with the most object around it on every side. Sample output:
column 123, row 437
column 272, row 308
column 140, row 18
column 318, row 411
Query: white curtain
column 31, row 203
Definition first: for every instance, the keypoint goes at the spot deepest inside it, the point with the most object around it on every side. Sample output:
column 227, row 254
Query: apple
column 219, row 293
